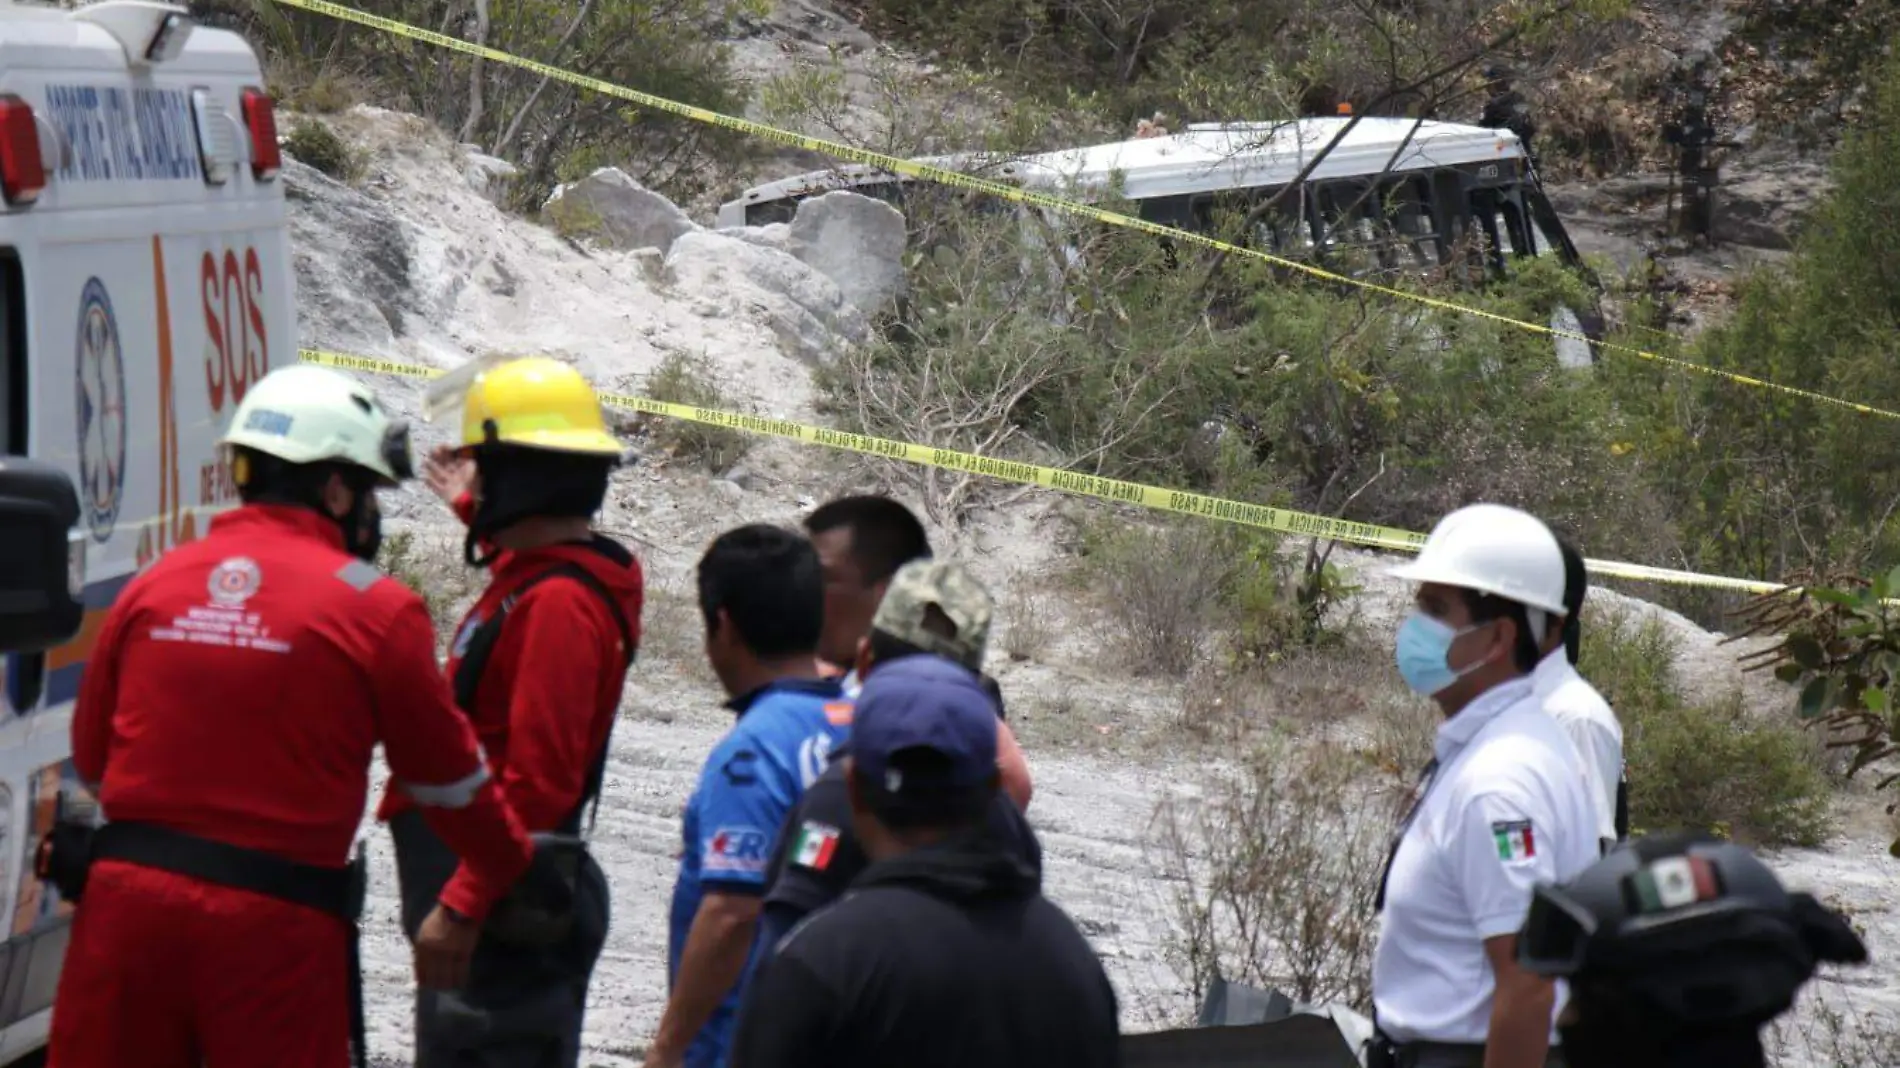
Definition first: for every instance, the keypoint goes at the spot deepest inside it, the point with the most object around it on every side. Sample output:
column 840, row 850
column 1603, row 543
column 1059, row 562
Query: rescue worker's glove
column 539, row 909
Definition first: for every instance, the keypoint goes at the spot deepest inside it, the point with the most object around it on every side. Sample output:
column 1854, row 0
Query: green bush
column 551, row 130
column 1209, row 59
column 314, row 143
column 1768, row 484
column 681, row 380
column 1122, row 362
column 1701, row 763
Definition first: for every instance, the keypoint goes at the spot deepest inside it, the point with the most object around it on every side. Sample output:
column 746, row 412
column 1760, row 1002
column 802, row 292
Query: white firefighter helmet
column 302, row 414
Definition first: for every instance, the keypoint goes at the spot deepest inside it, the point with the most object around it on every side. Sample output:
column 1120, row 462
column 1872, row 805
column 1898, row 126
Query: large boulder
column 857, row 242
column 486, row 174
column 612, row 209
column 803, row 308
column 1765, row 206
column 354, row 261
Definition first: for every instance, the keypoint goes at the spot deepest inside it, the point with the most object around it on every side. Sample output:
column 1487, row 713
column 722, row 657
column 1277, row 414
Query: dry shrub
column 1404, row 729
column 671, row 631
column 681, row 379
column 1326, row 692
column 1161, row 589
column 428, row 568
column 1826, row 1032
column 1027, row 617
column 1273, row 870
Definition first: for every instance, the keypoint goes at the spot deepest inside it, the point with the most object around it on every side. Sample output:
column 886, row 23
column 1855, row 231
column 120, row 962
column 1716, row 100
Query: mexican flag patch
column 1515, row 840
column 816, row 843
column 1673, row 882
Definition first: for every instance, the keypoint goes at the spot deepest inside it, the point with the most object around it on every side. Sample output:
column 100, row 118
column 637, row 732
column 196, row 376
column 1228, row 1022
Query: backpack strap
column 481, row 644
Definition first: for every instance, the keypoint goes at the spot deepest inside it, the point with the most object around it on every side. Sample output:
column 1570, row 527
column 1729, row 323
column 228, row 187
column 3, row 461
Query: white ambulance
column 145, row 283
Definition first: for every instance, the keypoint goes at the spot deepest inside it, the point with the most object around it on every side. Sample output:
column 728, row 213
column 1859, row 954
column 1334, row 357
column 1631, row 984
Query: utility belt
column 1386, row 1052
column 71, row 848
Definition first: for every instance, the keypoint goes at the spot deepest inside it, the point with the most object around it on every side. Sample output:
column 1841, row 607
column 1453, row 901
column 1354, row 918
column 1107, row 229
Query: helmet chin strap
column 471, row 550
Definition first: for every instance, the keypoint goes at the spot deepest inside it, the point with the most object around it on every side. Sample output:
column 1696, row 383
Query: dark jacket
column 799, row 884
column 945, row 956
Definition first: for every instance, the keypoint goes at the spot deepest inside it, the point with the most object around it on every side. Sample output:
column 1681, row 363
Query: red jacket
column 552, row 684
column 239, row 689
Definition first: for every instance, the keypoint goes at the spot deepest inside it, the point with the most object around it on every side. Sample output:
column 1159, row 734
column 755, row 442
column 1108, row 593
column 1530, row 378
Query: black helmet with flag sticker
column 1682, row 934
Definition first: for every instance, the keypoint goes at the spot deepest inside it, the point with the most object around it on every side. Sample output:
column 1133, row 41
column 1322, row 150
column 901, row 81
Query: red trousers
column 165, row 971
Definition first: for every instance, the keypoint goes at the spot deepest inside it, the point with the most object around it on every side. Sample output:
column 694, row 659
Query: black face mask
column 363, row 525
column 519, row 484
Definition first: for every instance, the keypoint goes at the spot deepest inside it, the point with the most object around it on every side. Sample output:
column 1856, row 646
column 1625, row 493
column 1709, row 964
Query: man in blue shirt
column 762, row 596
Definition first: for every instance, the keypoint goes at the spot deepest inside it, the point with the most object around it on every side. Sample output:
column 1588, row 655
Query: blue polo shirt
column 757, row 772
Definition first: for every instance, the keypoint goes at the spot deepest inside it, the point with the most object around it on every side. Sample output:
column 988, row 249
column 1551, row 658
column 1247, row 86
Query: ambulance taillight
column 22, row 169
column 260, row 118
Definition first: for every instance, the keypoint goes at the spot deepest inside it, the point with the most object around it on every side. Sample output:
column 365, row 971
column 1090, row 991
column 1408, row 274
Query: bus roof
column 1213, row 156
column 1205, row 157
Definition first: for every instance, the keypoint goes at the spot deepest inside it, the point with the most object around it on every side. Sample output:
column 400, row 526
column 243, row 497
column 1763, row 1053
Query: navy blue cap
column 924, row 703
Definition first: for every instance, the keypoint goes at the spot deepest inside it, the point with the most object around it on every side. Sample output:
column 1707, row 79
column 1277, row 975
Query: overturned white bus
column 1386, row 195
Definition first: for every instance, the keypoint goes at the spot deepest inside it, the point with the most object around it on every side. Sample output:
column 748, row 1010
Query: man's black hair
column 885, row 535
column 1484, row 608
column 270, row 480
column 767, row 579
column 1576, row 584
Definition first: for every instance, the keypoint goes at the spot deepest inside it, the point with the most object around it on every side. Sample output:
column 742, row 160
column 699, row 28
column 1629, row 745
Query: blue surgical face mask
column 1424, row 651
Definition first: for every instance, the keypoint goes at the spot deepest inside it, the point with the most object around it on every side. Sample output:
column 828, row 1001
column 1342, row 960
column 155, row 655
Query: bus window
column 1281, row 230
column 1511, row 223
column 13, row 383
column 1385, row 225
column 1179, row 212
column 771, row 211
column 1408, row 213
column 1349, row 237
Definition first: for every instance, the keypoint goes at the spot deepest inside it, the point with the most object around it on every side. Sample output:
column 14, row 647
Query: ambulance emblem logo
column 100, row 369
column 234, row 581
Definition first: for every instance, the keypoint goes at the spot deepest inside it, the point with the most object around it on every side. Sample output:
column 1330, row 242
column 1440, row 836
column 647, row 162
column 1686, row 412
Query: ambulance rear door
column 147, row 285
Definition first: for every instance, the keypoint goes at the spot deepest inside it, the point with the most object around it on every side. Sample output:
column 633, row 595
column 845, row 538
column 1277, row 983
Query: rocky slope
column 416, row 263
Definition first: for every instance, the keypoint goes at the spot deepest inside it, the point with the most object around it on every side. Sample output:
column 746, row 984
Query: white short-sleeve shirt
column 1586, row 717
column 1508, row 807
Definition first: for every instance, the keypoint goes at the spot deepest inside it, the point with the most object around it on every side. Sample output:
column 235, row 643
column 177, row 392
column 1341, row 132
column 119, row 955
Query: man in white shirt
column 1577, row 706
column 1504, row 805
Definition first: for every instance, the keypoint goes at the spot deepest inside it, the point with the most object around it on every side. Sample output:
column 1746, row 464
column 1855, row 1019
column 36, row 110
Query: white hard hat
column 302, row 414
column 1493, row 549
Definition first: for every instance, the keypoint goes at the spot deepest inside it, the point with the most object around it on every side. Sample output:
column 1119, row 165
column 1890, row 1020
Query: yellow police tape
column 1179, row 502
column 1015, row 194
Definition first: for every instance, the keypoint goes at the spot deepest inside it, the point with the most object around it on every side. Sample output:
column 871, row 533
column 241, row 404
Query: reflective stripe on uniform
column 359, row 575
column 457, row 794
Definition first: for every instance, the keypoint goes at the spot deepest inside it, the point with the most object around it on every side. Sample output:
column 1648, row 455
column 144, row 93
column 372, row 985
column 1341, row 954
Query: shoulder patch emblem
column 817, row 843
column 838, row 713
column 1515, row 839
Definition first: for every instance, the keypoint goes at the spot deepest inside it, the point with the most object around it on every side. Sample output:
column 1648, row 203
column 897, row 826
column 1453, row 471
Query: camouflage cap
column 960, row 626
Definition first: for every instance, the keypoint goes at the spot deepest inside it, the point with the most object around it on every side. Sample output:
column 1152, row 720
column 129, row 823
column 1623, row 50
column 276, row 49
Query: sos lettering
column 237, row 349
column 237, row 345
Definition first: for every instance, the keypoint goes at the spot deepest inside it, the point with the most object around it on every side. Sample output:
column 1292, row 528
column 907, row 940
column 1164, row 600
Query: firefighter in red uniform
column 538, row 665
column 226, row 722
